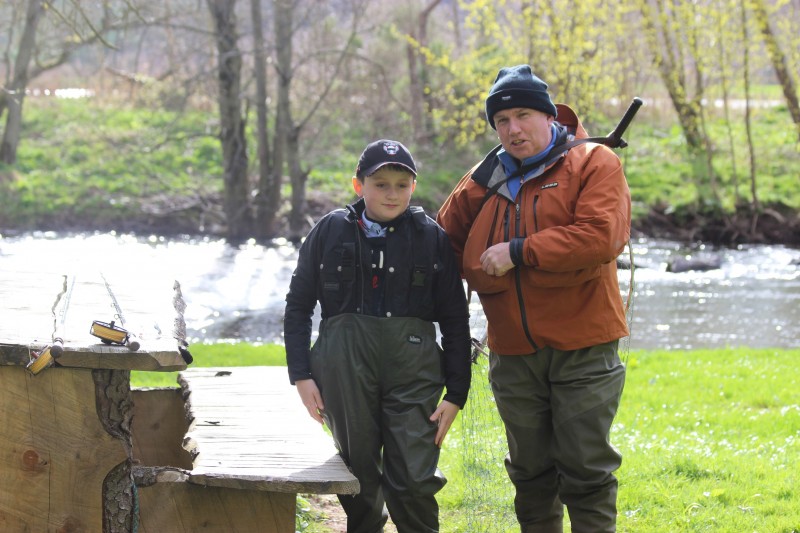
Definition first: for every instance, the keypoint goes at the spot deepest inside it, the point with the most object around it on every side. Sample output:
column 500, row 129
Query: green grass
column 710, row 442
column 206, row 355
column 659, row 170
column 97, row 165
column 113, row 165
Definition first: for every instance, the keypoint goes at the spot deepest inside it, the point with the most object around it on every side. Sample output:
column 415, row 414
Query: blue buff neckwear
column 371, row 229
column 510, row 164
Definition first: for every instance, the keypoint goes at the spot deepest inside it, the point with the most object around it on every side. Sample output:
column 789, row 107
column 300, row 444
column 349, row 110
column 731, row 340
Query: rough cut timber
column 249, row 430
column 55, row 452
column 65, row 440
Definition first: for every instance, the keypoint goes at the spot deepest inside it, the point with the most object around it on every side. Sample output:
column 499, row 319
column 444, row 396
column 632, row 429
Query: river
column 237, row 293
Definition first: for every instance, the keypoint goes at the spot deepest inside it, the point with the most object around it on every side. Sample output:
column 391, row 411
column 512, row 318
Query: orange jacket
column 574, row 216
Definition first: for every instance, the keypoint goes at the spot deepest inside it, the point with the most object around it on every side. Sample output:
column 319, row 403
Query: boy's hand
column 443, row 417
column 312, row 399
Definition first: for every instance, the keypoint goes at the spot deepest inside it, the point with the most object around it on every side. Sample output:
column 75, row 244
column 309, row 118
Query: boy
column 383, row 273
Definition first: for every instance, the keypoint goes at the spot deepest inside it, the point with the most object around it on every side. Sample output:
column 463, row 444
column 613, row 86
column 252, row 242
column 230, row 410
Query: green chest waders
column 380, row 380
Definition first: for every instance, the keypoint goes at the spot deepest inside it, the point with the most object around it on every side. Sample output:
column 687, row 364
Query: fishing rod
column 614, row 139
column 47, row 357
column 110, row 332
column 58, row 333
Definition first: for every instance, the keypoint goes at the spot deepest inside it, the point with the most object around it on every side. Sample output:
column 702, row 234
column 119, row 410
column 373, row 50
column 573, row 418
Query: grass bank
column 94, row 165
column 710, row 442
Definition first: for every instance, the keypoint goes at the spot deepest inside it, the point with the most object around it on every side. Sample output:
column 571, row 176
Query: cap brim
column 374, row 168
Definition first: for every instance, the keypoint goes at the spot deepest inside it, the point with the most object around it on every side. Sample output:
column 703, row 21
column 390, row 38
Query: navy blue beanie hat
column 518, row 87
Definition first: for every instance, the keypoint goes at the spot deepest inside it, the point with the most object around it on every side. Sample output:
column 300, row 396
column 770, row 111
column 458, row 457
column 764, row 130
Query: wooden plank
column 158, row 428
column 45, row 304
column 54, row 452
column 27, row 310
column 185, row 508
column 249, row 430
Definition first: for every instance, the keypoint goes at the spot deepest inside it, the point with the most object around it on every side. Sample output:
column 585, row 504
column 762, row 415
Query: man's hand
column 444, row 416
column 312, row 399
column 496, row 260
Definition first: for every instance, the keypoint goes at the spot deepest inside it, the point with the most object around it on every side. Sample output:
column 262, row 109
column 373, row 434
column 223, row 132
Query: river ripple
column 237, row 293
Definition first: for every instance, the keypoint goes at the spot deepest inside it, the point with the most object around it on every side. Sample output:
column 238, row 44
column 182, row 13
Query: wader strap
column 419, row 216
column 348, row 265
column 420, row 222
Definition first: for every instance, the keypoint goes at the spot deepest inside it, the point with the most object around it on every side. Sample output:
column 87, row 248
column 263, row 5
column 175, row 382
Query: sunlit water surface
column 237, row 293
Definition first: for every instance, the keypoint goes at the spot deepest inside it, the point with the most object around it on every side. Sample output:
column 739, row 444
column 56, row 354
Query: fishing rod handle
column 132, row 342
column 57, row 348
column 616, row 135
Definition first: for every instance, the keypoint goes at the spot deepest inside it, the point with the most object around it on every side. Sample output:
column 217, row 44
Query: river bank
column 774, row 224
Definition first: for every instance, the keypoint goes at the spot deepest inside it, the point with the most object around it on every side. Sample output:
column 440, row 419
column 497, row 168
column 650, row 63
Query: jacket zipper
column 506, row 231
column 489, row 241
column 360, row 276
column 518, row 280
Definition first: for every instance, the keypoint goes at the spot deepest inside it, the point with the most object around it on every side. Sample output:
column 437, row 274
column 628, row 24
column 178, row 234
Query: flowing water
column 237, row 293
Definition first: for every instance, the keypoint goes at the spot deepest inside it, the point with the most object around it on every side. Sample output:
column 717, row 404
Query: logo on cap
column 391, row 148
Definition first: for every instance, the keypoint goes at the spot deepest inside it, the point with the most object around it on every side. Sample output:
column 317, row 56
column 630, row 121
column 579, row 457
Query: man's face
column 386, row 193
column 523, row 132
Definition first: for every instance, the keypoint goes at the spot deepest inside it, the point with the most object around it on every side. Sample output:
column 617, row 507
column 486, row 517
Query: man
column 536, row 230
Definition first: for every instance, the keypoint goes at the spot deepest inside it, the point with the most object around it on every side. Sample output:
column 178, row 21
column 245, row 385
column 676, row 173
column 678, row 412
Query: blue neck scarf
column 510, row 164
column 371, row 229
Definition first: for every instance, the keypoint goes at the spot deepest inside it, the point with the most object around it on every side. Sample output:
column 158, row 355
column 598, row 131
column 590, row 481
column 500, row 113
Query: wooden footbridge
column 226, row 451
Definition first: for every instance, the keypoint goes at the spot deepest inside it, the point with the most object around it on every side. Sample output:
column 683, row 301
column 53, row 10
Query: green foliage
column 660, row 173
column 578, row 56
column 305, row 515
column 99, row 165
column 83, row 164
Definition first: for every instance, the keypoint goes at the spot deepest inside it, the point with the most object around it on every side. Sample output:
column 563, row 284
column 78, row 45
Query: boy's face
column 386, row 193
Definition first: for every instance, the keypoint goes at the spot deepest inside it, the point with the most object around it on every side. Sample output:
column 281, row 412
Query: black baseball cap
column 384, row 152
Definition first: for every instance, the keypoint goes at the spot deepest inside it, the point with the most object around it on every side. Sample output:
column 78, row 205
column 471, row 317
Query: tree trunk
column 298, row 176
column 725, row 85
column 232, row 124
column 778, row 59
column 415, row 88
column 16, row 92
column 748, row 122
column 288, row 132
column 282, row 19
column 421, row 100
column 666, row 45
column 264, row 168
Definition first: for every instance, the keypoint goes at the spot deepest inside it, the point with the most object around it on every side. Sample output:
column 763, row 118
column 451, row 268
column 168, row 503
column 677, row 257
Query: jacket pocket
column 540, row 278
